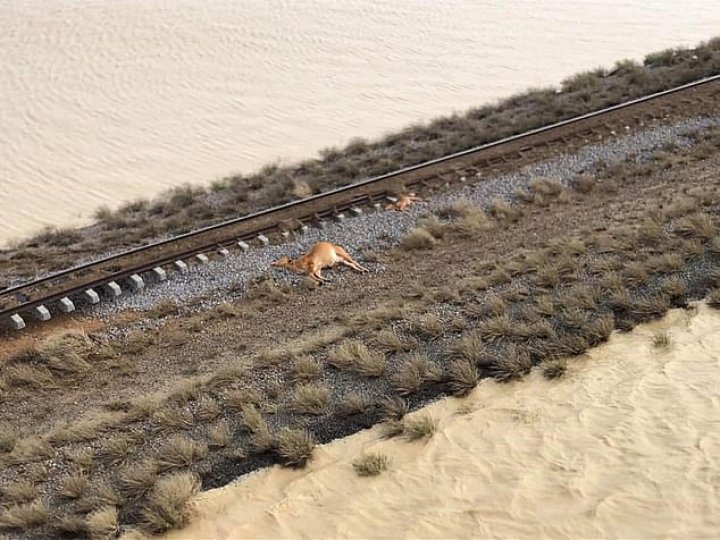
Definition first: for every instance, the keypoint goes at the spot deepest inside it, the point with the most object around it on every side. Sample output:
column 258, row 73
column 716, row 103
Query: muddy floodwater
column 626, row 445
column 106, row 101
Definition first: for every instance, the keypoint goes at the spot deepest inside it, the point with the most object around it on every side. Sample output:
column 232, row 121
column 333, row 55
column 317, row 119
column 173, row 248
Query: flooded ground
column 104, row 102
column 626, row 445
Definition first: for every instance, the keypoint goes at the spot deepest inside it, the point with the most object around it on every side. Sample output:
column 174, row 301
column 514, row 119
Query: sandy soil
column 626, row 445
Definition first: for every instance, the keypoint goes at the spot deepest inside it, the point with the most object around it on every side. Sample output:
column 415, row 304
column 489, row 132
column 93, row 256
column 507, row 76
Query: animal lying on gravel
column 403, row 202
column 321, row 255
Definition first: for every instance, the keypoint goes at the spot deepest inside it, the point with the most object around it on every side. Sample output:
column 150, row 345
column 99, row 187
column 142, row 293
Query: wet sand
column 626, row 445
column 105, row 102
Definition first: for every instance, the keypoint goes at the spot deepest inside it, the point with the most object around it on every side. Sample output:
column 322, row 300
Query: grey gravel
column 227, row 278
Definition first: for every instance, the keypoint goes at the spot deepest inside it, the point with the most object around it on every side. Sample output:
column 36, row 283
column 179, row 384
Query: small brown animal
column 403, row 202
column 321, row 255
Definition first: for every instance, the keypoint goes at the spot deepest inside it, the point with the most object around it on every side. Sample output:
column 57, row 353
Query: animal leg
column 317, row 275
column 348, row 260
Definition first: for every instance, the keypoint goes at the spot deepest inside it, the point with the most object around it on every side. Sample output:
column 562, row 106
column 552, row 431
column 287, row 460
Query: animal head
column 286, row 262
column 282, row 262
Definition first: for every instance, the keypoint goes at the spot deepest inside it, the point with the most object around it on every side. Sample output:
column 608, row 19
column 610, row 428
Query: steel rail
column 268, row 219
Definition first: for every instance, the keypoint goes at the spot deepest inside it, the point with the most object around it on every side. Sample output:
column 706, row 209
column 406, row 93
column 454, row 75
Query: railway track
column 134, row 269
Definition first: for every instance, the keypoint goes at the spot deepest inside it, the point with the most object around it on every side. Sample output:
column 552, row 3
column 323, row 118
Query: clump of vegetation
column 413, row 373
column 310, row 399
column 25, row 516
column 419, row 427
column 661, row 340
column 417, row 239
column 167, row 505
column 295, row 446
column 463, row 376
column 554, row 369
column 355, row 356
column 370, row 463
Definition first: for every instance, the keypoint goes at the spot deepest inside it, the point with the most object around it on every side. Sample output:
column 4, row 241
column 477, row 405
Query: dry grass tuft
column 352, row 404
column 548, row 187
column 102, row 523
column 394, row 408
column 674, row 287
column 295, row 446
column 598, row 330
column 419, row 427
column 28, row 375
column 389, row 341
column 353, row 355
column 713, row 298
column 463, row 376
column 311, row 399
column 138, row 479
column 116, row 449
column 180, row 451
column 73, row 486
column 30, row 449
column 650, row 306
column 698, row 226
column 370, row 463
column 417, row 239
column 554, row 369
column 502, row 211
column 21, row 491
column 25, row 516
column 260, row 437
column 219, row 436
column 661, row 340
column 167, row 505
column 496, row 328
column 305, row 368
column 236, row 399
column 428, row 326
column 208, row 409
column 8, row 438
column 511, row 363
column 174, row 419
column 413, row 372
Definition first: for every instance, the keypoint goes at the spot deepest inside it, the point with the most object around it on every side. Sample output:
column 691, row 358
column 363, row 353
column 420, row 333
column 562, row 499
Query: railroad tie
column 180, row 266
column 66, row 305
column 137, row 282
column 92, row 296
column 42, row 313
column 114, row 288
column 17, row 322
column 159, row 273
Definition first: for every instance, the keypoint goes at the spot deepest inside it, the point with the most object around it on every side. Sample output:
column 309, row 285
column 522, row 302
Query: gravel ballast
column 226, row 279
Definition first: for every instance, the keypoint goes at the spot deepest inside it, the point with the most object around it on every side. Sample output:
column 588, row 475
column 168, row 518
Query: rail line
column 59, row 292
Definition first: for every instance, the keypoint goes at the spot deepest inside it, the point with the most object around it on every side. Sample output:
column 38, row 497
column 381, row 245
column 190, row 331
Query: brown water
column 626, row 445
column 103, row 102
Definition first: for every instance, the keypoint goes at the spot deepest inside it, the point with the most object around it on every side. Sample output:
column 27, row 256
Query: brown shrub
column 370, row 463
column 167, row 505
column 179, row 451
column 295, row 446
column 310, row 399
column 463, row 376
column 305, row 368
column 417, row 239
